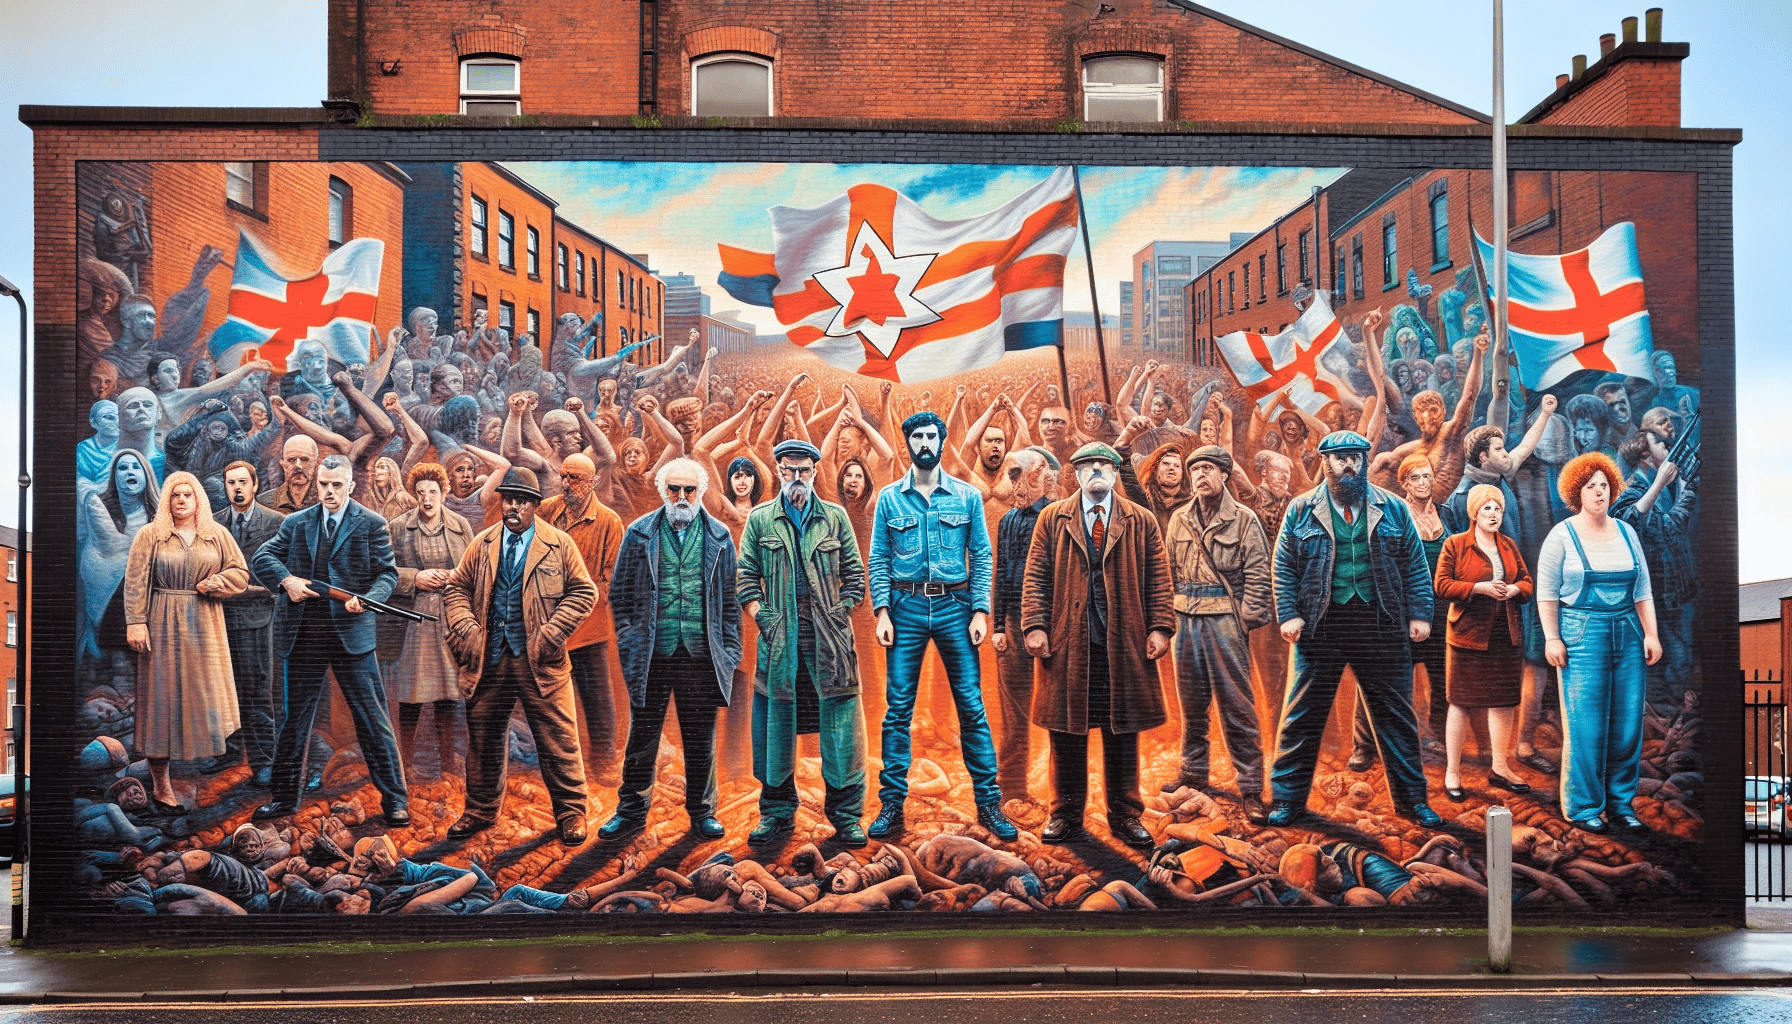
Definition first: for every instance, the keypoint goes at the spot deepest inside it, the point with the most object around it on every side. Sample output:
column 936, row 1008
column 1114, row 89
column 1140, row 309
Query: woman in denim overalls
column 1598, row 619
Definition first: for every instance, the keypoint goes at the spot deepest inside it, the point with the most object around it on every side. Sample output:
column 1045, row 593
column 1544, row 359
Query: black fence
column 1767, row 788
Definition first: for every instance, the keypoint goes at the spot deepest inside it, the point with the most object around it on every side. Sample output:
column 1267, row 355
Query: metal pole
column 1499, row 890
column 20, row 781
column 1500, row 411
column 1101, row 348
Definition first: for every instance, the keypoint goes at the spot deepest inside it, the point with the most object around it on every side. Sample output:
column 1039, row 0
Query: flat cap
column 796, row 448
column 1096, row 450
column 1340, row 442
column 1215, row 454
column 1050, row 458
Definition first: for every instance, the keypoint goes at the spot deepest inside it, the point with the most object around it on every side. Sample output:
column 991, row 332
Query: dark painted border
column 58, row 919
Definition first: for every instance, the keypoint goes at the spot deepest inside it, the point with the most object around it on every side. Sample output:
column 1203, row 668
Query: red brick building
column 592, row 276
column 15, row 556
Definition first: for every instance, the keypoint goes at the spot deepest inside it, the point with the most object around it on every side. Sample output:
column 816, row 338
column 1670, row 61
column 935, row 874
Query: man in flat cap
column 1353, row 589
column 517, row 597
column 1219, row 558
column 1097, row 610
column 799, row 577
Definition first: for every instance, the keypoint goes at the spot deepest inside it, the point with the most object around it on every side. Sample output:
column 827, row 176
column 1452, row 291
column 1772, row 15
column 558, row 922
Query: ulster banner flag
column 872, row 284
column 1290, row 360
column 1581, row 310
column 269, row 313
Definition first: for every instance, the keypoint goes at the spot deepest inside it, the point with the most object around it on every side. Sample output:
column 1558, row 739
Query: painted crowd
column 404, row 637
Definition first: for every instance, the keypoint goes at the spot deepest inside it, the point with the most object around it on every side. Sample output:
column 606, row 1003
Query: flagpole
column 1500, row 411
column 1101, row 349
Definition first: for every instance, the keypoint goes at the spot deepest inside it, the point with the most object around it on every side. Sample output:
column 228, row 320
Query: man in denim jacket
column 930, row 570
column 1353, row 589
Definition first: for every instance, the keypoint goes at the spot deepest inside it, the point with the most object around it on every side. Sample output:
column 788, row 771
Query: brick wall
column 485, row 273
column 1636, row 92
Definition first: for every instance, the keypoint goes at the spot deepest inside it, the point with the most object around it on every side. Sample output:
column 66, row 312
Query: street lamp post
column 20, row 785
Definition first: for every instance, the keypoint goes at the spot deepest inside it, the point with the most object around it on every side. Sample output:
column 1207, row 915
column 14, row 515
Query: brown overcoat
column 557, row 596
column 1141, row 599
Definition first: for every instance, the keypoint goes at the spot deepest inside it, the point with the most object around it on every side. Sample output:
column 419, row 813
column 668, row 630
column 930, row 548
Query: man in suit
column 248, row 619
column 343, row 544
column 512, row 604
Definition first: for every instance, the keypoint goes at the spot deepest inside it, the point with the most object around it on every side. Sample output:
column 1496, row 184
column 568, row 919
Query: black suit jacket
column 253, row 608
column 360, row 561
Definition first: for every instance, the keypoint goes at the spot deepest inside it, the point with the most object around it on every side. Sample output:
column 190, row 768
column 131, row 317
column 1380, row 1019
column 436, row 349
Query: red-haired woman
column 427, row 543
column 1598, row 618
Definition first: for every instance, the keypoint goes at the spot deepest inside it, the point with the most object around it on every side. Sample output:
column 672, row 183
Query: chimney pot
column 1630, row 29
column 1607, row 43
column 1580, row 65
column 1652, row 24
column 1562, row 80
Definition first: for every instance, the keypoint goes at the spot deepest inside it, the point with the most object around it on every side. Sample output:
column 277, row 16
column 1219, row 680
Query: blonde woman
column 182, row 566
column 386, row 490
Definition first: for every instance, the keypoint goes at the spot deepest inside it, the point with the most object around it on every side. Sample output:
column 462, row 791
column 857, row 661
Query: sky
column 272, row 53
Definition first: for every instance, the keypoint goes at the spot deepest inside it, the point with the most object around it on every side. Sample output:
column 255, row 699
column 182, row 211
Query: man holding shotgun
column 340, row 546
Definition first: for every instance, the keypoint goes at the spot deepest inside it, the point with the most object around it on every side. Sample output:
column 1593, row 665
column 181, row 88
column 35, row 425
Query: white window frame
column 467, row 92
column 1105, row 91
column 12, row 629
column 771, row 76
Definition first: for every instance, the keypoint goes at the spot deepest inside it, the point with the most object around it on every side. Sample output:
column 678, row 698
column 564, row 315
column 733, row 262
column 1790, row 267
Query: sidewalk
column 1254, row 958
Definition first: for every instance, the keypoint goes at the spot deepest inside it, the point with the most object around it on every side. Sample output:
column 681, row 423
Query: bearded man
column 1352, row 588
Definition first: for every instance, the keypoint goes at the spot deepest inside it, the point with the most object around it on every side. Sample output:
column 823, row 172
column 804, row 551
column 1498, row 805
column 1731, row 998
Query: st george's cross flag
column 270, row 313
column 1582, row 310
column 1265, row 364
column 873, row 284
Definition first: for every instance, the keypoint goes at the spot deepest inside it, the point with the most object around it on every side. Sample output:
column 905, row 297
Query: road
column 1646, row 1006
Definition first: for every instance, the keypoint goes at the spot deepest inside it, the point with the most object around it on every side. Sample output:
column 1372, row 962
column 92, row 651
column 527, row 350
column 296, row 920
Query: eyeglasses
column 795, row 472
column 690, row 489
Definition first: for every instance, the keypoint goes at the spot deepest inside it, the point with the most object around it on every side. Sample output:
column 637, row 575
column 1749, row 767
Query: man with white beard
column 678, row 634
column 800, row 576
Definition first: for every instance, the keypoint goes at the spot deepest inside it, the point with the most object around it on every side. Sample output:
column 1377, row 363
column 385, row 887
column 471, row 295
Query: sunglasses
column 681, row 489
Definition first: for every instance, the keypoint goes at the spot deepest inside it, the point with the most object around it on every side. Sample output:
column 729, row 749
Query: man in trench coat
column 1097, row 608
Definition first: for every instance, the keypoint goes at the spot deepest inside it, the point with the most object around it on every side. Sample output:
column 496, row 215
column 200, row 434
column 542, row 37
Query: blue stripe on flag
column 1033, row 334
column 235, row 334
column 754, row 291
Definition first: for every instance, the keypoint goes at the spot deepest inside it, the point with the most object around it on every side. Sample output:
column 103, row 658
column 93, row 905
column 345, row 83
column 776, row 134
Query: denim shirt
column 935, row 538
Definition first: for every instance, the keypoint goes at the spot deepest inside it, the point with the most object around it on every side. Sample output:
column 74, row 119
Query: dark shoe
column 1132, row 832
column 1498, row 781
column 1455, row 794
column 707, row 827
column 620, row 828
column 274, row 809
column 1185, row 781
column 1538, row 763
column 1360, row 760
column 769, row 829
column 888, row 823
column 1060, row 830
column 1283, row 813
column 851, row 834
column 1426, row 817
column 991, row 817
column 1632, row 824
column 467, row 827
column 1595, row 825
column 1254, row 811
column 572, row 832
column 167, row 810
column 397, row 817
column 264, row 777
column 221, row 763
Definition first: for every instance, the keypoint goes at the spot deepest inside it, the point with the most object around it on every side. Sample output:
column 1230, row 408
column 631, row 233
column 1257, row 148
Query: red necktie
column 1098, row 532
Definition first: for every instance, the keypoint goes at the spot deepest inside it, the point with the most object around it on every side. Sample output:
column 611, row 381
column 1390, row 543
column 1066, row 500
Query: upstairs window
column 731, row 85
column 1123, row 88
column 507, row 315
column 342, row 211
column 506, row 241
column 1440, row 226
column 1303, row 258
column 560, row 267
column 1390, row 253
column 578, row 267
column 491, row 87
column 534, row 248
column 476, row 244
column 621, row 288
column 534, row 322
column 1263, row 277
column 246, row 186
column 1281, row 267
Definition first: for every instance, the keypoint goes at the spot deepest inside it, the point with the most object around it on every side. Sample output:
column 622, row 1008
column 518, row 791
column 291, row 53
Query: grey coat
column 634, row 602
column 253, row 608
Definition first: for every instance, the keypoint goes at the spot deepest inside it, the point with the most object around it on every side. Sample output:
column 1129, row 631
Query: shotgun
column 334, row 594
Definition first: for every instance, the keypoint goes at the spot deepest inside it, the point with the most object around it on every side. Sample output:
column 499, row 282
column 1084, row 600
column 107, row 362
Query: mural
column 414, row 510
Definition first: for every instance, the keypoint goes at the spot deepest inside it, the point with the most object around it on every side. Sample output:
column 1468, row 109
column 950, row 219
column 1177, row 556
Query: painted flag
column 873, row 284
column 270, row 313
column 1581, row 310
column 1266, row 364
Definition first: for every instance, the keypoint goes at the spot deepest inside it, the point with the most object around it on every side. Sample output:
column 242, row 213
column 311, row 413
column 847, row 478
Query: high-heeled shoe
column 1455, row 794
column 1498, row 781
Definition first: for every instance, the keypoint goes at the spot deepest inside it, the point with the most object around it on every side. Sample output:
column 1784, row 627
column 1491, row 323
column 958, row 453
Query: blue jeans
column 945, row 620
column 1603, row 686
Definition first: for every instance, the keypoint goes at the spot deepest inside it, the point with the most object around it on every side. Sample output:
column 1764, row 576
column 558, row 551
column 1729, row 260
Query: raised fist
column 390, row 401
column 574, row 404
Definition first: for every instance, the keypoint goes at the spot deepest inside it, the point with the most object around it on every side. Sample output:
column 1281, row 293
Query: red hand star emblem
column 876, row 292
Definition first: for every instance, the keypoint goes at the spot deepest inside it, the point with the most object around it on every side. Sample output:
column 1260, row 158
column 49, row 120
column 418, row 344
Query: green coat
column 836, row 580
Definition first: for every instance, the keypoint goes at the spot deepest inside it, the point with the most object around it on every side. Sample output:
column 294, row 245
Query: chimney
column 1630, row 29
column 1580, row 66
column 1652, row 19
column 1635, row 83
column 1606, row 43
column 1562, row 80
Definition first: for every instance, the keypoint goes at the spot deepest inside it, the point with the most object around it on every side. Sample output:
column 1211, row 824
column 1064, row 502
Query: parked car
column 1764, row 806
column 9, row 816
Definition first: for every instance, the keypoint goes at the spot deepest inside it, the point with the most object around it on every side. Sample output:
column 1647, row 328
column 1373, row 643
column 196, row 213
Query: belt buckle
column 933, row 589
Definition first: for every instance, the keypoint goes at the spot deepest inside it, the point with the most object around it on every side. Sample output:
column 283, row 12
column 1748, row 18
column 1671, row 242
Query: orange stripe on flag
column 977, row 255
column 874, row 205
column 747, row 263
column 794, row 306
